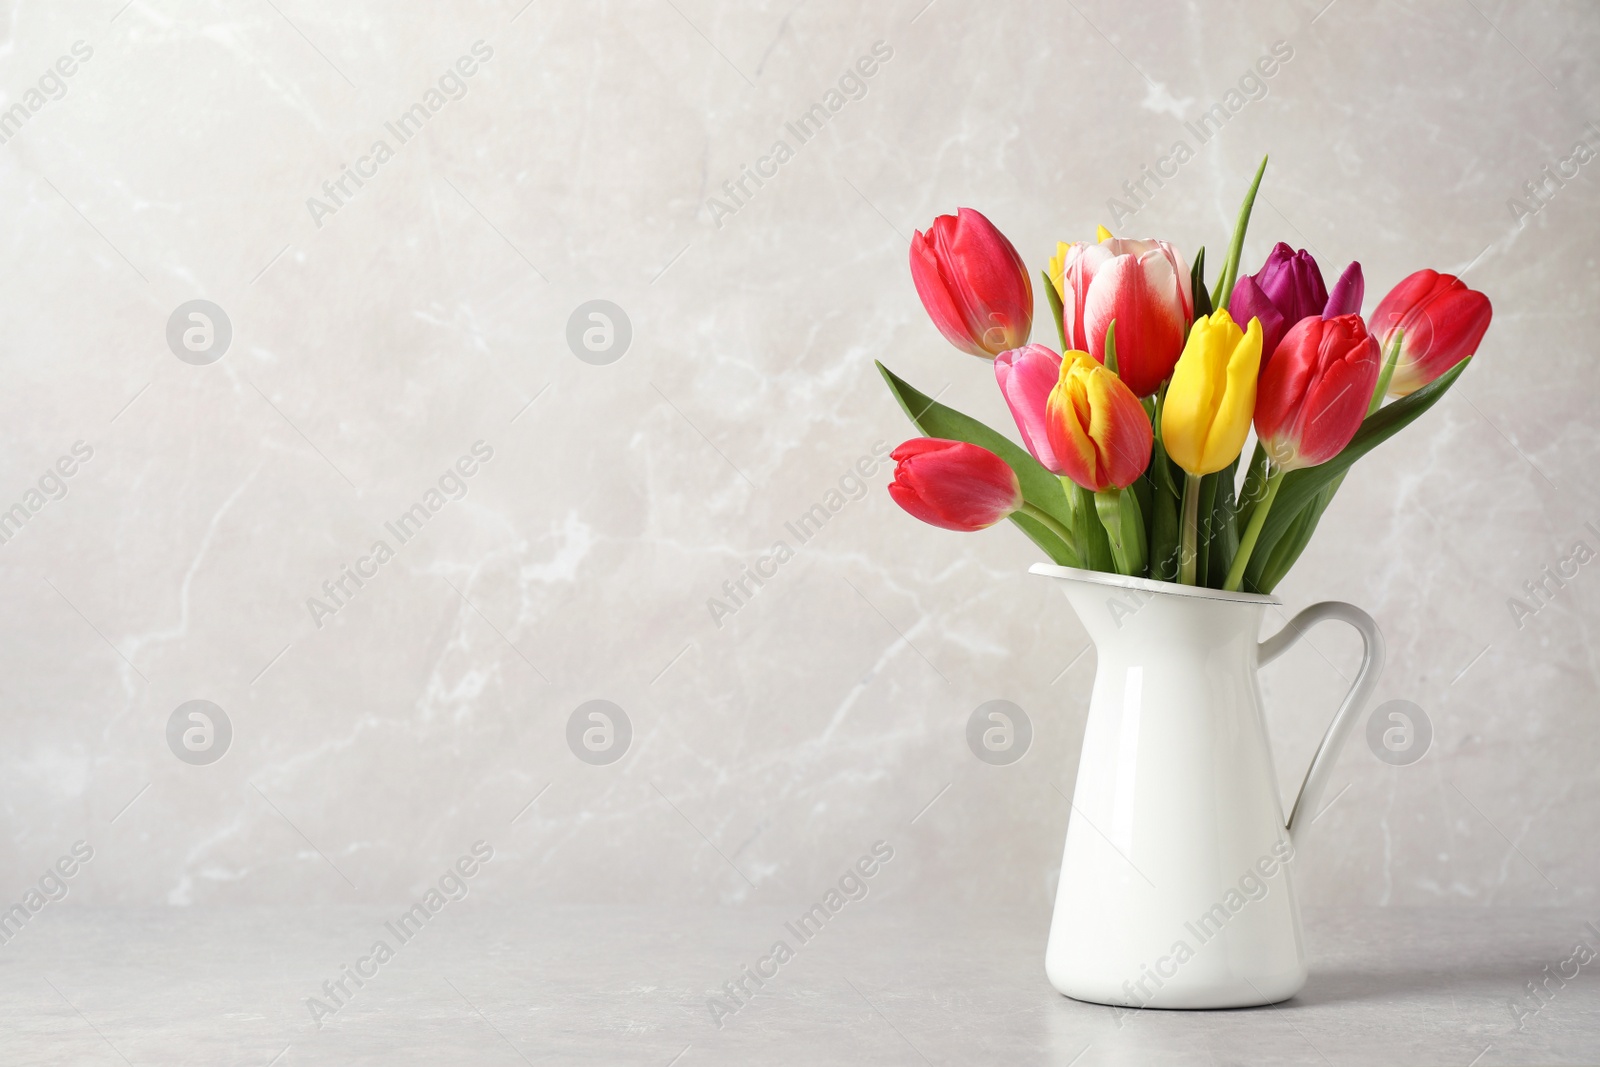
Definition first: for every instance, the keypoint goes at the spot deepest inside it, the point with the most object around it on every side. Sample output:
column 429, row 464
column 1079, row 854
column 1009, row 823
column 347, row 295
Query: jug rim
column 1150, row 585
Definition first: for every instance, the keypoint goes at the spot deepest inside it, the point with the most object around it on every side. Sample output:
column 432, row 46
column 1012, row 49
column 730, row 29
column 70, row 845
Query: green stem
column 1387, row 373
column 1188, row 543
column 1111, row 347
column 1050, row 524
column 1258, row 519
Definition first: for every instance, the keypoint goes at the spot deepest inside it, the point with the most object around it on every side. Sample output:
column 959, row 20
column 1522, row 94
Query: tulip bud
column 1443, row 321
column 953, row 484
column 1099, row 433
column 973, row 284
column 1026, row 376
column 1206, row 415
column 1142, row 286
column 1312, row 397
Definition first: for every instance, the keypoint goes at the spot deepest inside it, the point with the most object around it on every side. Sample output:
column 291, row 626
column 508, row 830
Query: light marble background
column 430, row 312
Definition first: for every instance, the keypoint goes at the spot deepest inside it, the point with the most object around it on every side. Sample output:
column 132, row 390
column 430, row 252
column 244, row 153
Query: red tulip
column 973, row 284
column 1144, row 287
column 1443, row 322
column 953, row 484
column 1099, row 432
column 1313, row 395
column 1026, row 376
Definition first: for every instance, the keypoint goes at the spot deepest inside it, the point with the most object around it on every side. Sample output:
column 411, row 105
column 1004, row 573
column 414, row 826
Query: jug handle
column 1344, row 721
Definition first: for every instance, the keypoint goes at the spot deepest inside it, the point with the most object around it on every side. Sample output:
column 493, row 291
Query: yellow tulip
column 1212, row 396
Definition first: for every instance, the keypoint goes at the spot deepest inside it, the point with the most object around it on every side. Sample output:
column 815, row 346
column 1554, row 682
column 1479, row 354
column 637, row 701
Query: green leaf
column 1162, row 479
column 1059, row 552
column 1164, row 537
column 1292, row 543
column 1255, row 485
column 1301, row 488
column 1124, row 525
column 1055, row 307
column 1230, row 267
column 1039, row 487
column 1197, row 284
column 1093, row 546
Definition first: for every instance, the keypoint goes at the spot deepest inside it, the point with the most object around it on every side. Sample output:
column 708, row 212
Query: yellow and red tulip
column 1099, row 434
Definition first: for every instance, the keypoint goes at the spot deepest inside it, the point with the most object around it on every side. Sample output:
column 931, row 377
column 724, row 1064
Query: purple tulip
column 1288, row 288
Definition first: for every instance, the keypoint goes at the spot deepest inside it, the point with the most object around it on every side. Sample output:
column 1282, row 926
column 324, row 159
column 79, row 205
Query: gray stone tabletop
column 881, row 984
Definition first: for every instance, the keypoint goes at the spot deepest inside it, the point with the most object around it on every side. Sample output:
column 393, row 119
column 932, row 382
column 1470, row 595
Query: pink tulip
column 1026, row 376
column 1144, row 287
column 973, row 284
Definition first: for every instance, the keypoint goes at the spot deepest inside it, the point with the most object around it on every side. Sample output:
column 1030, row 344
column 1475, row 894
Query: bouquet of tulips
column 1134, row 432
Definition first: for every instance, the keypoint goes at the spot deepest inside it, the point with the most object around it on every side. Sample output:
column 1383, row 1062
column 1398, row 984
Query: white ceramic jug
column 1176, row 887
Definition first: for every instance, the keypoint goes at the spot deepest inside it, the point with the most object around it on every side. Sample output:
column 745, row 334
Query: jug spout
column 1118, row 610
